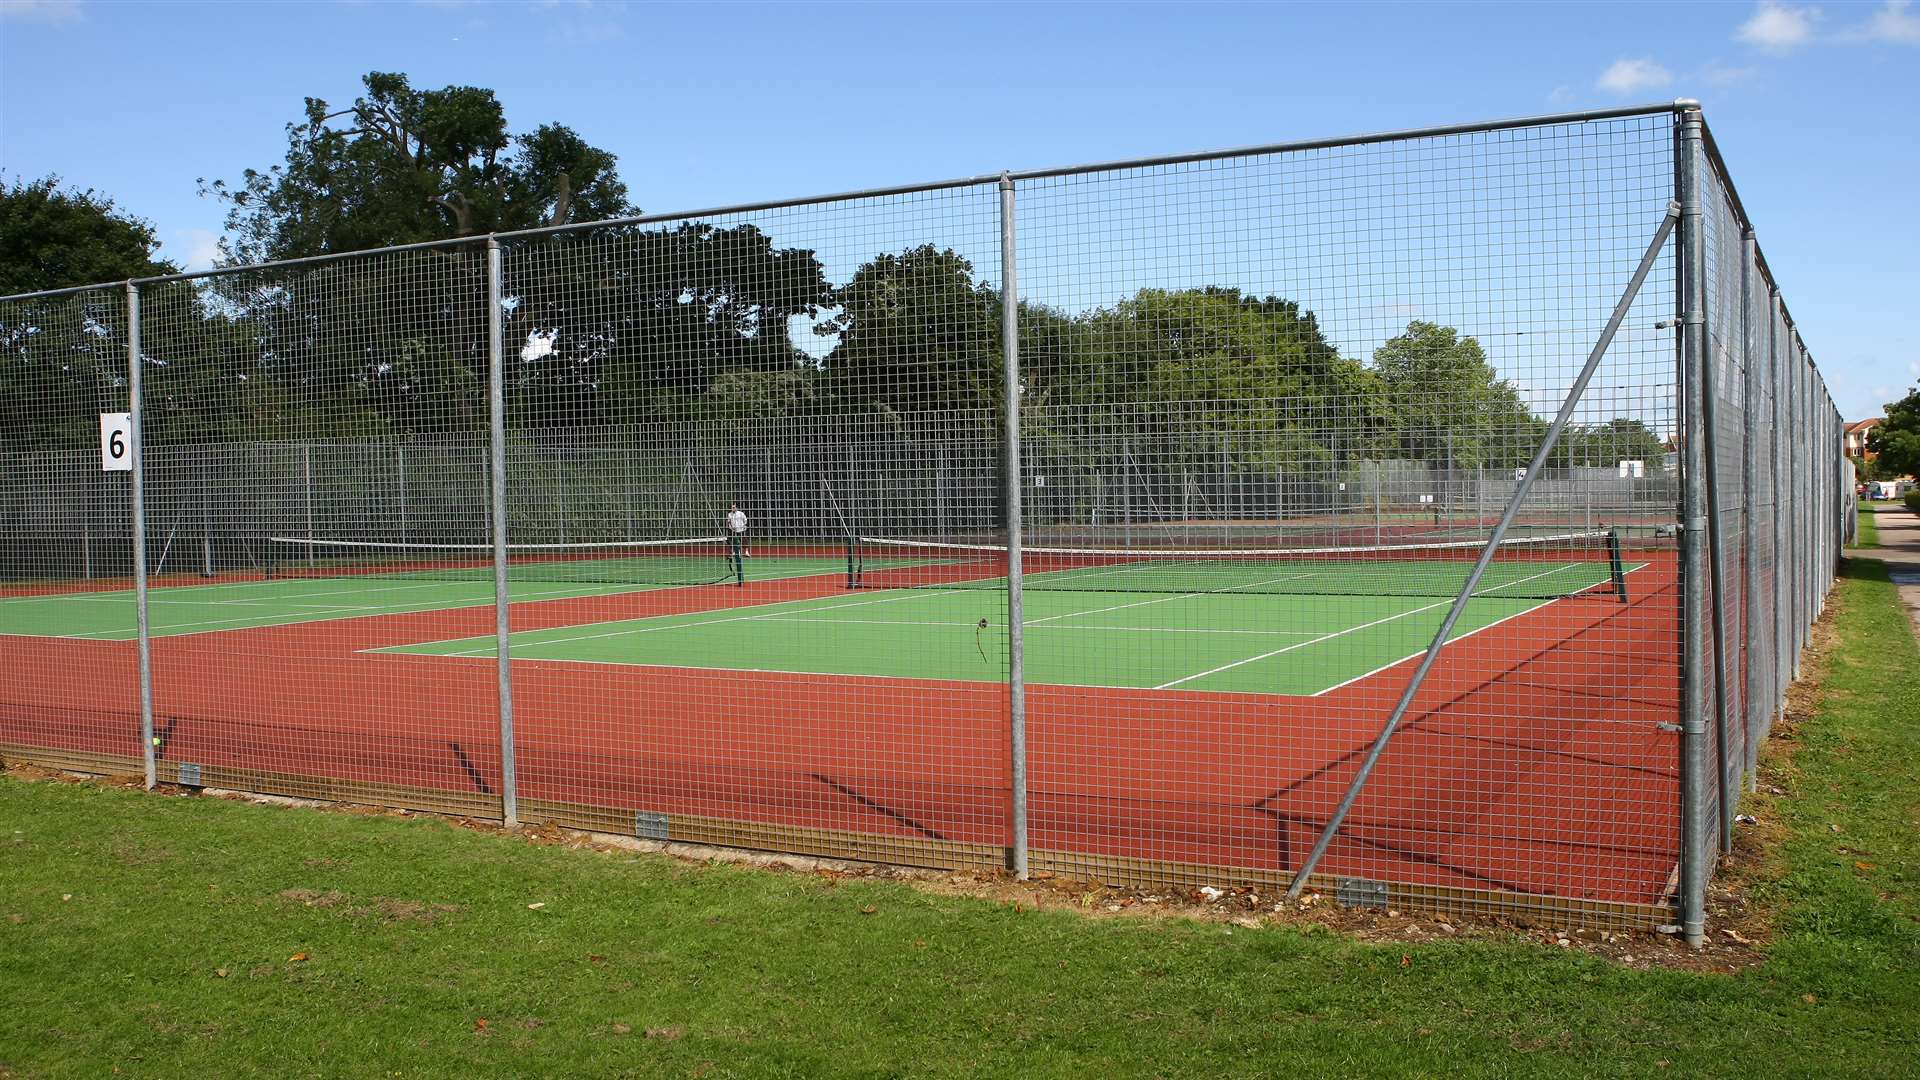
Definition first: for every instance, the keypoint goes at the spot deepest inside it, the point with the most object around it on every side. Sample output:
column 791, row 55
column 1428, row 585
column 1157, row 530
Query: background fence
column 1432, row 518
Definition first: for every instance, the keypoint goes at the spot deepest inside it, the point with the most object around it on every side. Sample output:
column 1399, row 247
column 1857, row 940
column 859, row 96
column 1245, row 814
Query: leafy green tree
column 1228, row 363
column 54, row 238
column 1897, row 441
column 629, row 321
column 1447, row 405
column 1865, row 469
column 914, row 332
column 401, row 165
column 63, row 359
column 1608, row 444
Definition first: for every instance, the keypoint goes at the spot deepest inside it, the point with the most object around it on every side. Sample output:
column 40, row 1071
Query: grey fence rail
column 1433, row 518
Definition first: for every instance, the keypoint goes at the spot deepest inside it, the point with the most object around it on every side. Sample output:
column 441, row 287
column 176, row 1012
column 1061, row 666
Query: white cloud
column 46, row 11
column 1895, row 22
column 203, row 246
column 1632, row 76
column 1777, row 28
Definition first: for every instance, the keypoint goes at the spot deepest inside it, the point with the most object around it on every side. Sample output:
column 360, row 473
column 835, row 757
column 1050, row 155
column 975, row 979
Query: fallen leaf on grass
column 1858, row 865
column 1405, row 960
column 299, row 957
column 219, row 973
column 623, row 1029
column 1809, row 999
column 480, row 1023
column 596, row 958
column 535, row 907
column 868, row 910
column 66, row 896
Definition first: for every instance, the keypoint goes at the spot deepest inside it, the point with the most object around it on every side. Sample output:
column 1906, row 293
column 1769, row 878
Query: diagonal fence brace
column 1486, row 554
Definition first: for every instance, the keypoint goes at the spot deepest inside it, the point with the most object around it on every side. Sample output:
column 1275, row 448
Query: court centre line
column 1462, row 637
column 1165, row 599
column 1033, row 622
column 402, row 608
column 489, row 651
column 1349, row 630
column 126, row 595
column 905, row 594
column 321, row 614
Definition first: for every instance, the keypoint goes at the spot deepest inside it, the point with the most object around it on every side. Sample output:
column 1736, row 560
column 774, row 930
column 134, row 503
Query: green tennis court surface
column 1262, row 644
column 199, row 609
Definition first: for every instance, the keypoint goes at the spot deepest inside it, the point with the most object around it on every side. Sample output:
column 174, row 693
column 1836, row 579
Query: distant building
column 1856, row 436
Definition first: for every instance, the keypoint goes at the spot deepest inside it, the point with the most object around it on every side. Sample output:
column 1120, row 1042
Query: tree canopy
column 54, row 238
column 1445, row 402
column 1897, row 441
column 693, row 320
column 401, row 165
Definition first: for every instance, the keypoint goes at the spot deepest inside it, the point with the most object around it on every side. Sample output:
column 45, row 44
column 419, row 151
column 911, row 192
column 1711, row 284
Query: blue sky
column 1815, row 107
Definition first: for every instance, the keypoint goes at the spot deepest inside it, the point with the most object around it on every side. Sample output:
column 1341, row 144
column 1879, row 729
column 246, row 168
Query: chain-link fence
column 1432, row 519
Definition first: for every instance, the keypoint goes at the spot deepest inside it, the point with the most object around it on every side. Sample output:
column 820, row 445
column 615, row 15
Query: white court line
column 399, row 652
column 1352, row 629
column 1030, row 623
column 126, row 595
column 909, row 594
column 1462, row 637
column 324, row 614
column 906, row 594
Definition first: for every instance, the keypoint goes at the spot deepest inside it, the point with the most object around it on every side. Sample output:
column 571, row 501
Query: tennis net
column 1530, row 567
column 692, row 561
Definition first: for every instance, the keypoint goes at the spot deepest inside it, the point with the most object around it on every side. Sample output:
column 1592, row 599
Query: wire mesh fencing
column 1430, row 519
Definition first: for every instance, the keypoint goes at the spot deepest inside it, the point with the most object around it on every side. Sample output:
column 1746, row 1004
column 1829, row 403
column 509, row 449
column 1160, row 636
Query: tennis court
column 315, row 592
column 1292, row 623
column 1102, row 519
column 1288, row 623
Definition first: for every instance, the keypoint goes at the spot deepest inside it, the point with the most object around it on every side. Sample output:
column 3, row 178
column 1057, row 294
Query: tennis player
column 737, row 542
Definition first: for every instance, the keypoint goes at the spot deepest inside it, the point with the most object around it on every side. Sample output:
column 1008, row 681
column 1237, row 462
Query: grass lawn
column 161, row 936
column 1869, row 531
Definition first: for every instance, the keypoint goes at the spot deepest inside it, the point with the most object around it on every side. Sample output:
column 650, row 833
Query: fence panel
column 830, row 371
column 1293, row 307
column 316, row 499
column 1270, row 408
column 70, row 691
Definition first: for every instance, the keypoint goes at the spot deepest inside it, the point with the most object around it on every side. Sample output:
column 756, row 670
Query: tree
column 1897, row 441
column 52, row 238
column 1606, row 445
column 1238, row 362
column 402, row 165
column 625, row 321
column 915, row 332
column 1866, row 468
column 63, row 359
column 1448, row 405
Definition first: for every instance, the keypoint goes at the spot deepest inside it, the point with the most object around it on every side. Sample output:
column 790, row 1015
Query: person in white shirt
column 737, row 542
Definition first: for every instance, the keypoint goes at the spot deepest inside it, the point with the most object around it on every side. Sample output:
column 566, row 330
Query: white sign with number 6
column 116, row 442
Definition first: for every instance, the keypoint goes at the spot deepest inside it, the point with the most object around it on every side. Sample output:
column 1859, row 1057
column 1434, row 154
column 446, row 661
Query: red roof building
column 1856, row 435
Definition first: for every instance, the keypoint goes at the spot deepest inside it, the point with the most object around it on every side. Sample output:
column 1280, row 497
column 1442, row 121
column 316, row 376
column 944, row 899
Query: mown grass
column 1868, row 534
column 158, row 936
